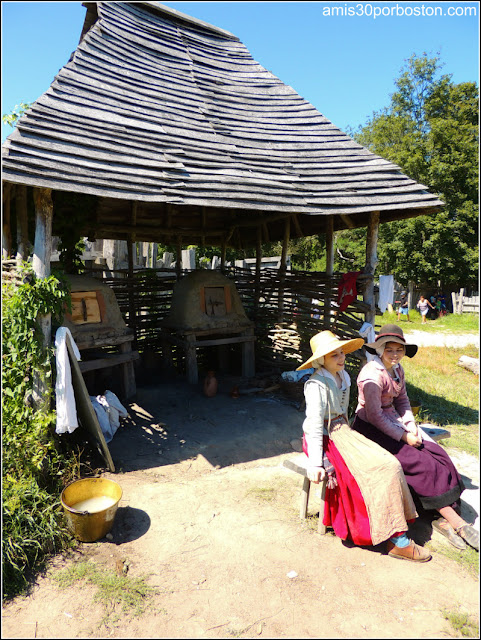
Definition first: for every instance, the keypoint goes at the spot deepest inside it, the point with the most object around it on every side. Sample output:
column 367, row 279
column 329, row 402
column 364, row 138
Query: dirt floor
column 210, row 517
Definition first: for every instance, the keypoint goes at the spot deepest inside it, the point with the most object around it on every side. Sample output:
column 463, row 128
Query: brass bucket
column 90, row 506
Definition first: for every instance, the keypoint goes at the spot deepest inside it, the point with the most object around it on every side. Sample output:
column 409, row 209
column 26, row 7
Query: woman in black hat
column 384, row 415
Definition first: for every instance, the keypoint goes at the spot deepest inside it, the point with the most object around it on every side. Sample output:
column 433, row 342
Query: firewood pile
column 285, row 337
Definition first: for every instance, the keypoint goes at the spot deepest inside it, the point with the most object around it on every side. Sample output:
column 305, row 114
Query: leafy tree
column 17, row 112
column 430, row 129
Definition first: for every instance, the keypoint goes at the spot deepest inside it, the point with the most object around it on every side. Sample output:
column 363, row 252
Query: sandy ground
column 209, row 516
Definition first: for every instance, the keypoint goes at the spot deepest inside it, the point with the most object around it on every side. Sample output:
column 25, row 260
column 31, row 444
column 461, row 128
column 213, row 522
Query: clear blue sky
column 345, row 65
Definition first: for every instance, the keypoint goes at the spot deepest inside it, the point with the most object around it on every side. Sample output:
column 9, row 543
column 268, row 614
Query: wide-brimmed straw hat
column 391, row 333
column 325, row 342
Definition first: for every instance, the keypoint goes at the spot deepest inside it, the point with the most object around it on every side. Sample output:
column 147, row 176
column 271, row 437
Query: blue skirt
column 428, row 469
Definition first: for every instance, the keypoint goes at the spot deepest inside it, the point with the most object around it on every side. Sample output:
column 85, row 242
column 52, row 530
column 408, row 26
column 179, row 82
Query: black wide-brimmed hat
column 391, row 333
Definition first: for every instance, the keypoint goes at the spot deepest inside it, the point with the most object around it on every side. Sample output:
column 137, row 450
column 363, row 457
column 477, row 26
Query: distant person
column 423, row 306
column 433, row 312
column 443, row 310
column 403, row 308
column 315, row 309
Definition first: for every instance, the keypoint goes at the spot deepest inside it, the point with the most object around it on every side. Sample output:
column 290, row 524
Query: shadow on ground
column 173, row 421
column 443, row 411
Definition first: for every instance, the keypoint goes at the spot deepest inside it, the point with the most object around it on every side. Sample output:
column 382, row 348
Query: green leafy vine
column 33, row 466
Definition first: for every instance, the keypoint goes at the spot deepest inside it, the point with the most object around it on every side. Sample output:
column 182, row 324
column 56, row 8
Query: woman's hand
column 316, row 474
column 413, row 428
column 411, row 439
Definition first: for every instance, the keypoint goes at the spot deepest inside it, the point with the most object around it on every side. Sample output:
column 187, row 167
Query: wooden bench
column 125, row 359
column 300, row 462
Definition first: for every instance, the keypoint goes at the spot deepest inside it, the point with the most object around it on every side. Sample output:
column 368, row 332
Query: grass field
column 464, row 323
column 449, row 394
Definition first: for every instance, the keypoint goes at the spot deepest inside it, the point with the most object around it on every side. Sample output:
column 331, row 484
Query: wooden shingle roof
column 165, row 111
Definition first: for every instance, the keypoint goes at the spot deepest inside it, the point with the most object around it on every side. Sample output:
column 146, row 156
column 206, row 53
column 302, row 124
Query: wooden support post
column 191, row 360
column 371, row 264
column 223, row 254
column 178, row 260
column 6, row 230
column 128, row 373
column 330, row 245
column 41, row 266
column 283, row 267
column 132, row 316
column 329, row 267
column 22, row 222
column 248, row 355
column 257, row 289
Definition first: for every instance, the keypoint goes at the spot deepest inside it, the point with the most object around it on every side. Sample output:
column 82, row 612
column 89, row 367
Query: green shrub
column 34, row 468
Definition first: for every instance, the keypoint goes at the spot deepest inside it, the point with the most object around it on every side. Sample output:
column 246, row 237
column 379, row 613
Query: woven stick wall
column 285, row 318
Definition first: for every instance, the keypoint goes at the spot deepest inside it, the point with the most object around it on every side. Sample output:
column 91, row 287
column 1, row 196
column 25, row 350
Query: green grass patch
column 130, row 595
column 462, row 624
column 449, row 394
column 467, row 559
column 451, row 323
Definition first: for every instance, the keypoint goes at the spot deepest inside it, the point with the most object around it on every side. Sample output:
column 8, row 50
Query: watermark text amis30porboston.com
column 368, row 10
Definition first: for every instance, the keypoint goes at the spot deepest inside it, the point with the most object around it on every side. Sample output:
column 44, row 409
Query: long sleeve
column 374, row 413
column 377, row 398
column 313, row 426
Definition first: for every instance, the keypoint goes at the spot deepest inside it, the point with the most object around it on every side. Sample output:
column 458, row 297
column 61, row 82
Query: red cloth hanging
column 347, row 291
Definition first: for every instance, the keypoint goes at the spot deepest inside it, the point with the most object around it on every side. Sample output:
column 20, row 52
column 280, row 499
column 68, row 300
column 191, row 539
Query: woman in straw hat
column 367, row 498
column 384, row 416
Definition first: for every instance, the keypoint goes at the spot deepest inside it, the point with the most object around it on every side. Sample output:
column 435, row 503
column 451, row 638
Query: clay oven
column 97, row 325
column 207, row 311
column 206, row 300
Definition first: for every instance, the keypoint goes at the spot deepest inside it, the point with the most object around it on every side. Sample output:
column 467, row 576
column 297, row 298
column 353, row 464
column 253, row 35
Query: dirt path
column 425, row 339
column 210, row 515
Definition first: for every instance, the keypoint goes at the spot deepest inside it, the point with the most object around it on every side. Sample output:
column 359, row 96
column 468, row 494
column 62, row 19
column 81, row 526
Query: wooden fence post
column 283, row 268
column 257, row 291
column 6, row 230
column 453, row 300
column 461, row 300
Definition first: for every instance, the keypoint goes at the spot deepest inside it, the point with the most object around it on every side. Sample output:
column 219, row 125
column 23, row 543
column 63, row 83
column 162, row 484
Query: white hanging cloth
column 386, row 292
column 369, row 335
column 65, row 399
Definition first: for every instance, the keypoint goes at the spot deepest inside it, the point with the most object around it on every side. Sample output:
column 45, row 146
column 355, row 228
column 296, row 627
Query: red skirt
column 344, row 507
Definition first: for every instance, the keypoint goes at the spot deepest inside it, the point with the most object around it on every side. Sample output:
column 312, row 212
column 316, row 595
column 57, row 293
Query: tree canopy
column 430, row 129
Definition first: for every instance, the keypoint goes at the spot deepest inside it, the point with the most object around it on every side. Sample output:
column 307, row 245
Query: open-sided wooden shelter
column 164, row 129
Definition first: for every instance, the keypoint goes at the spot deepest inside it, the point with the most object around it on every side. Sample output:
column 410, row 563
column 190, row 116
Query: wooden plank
column 91, row 341
column 85, row 411
column 233, row 340
column 110, row 360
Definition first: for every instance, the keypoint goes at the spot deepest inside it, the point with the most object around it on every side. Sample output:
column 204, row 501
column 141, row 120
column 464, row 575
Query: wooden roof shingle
column 161, row 109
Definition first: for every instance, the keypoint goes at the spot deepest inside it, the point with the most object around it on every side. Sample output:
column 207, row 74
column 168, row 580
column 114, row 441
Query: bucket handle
column 83, row 513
